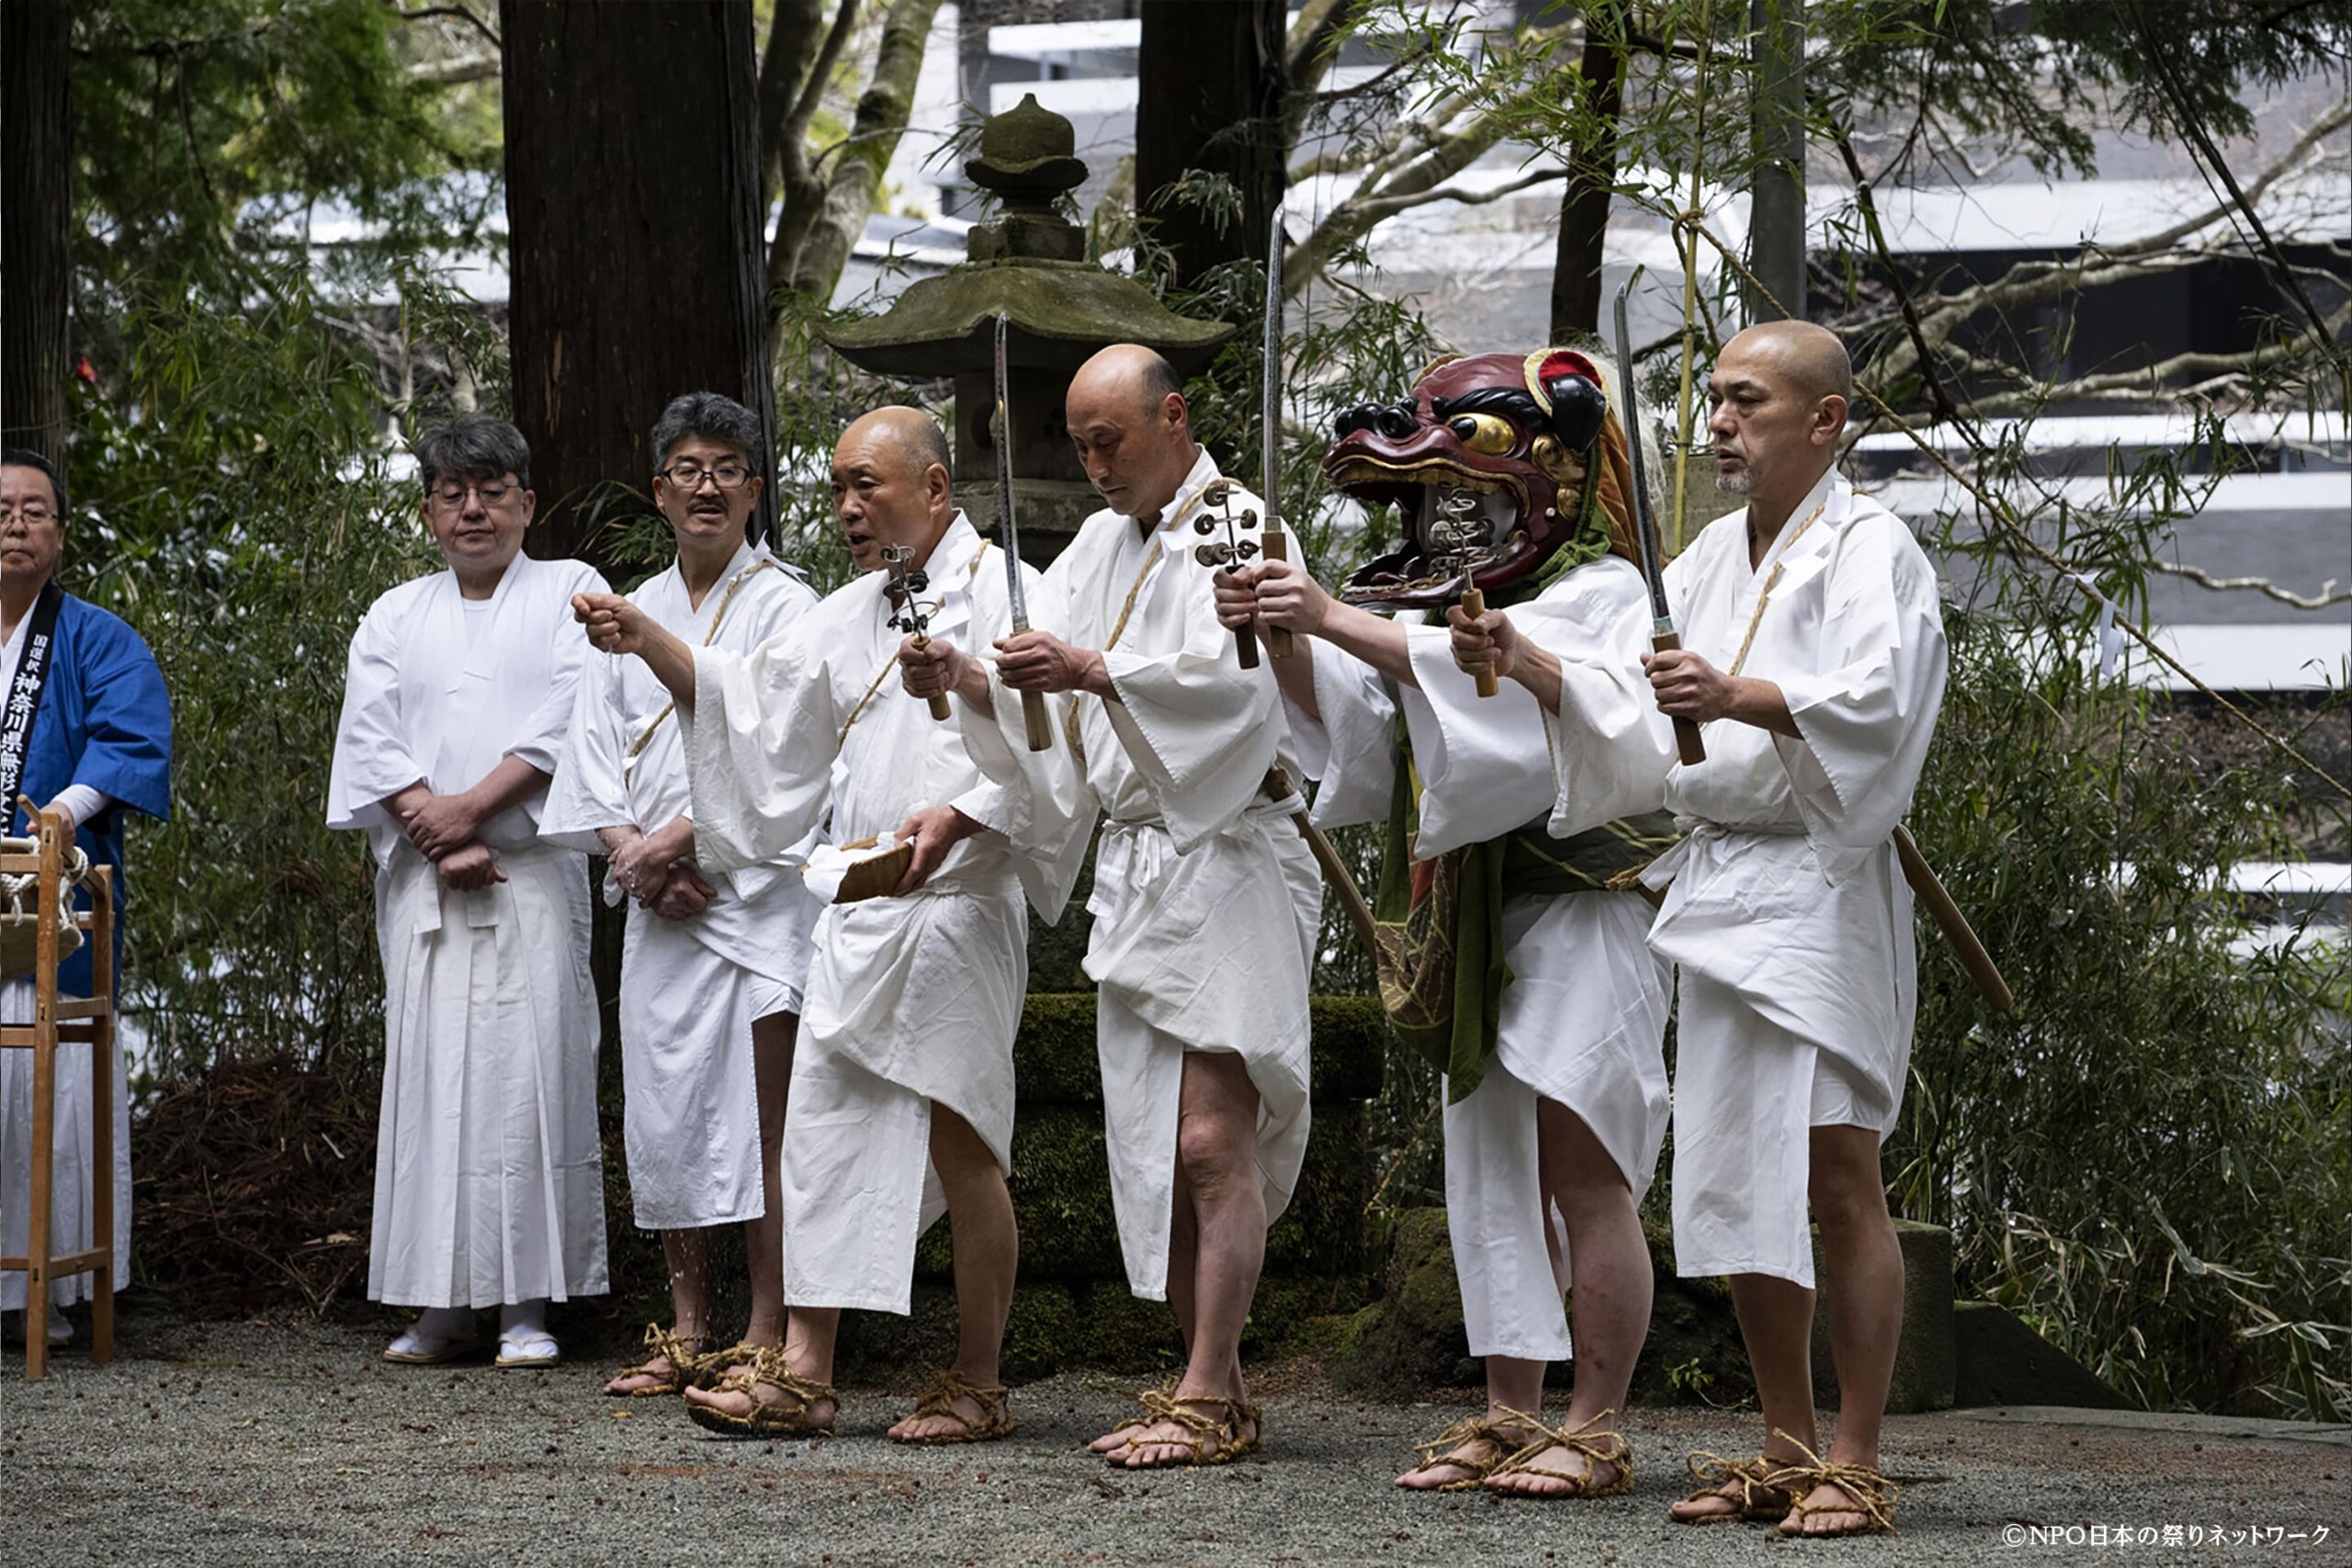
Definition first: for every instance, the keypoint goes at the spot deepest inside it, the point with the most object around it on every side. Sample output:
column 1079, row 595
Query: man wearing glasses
column 714, row 962
column 85, row 728
column 489, row 1180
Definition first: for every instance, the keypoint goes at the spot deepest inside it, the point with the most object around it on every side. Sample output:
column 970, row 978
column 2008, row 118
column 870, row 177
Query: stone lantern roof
column 1028, row 262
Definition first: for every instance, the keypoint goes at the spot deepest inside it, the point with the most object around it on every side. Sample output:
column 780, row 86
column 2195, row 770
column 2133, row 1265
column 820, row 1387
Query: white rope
column 21, row 907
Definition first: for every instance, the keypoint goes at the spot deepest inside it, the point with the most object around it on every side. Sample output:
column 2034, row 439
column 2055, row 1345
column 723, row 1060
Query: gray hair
column 25, row 458
column 714, row 418
column 473, row 446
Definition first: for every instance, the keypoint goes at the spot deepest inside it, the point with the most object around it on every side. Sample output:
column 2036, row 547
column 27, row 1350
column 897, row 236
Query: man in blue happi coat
column 85, row 728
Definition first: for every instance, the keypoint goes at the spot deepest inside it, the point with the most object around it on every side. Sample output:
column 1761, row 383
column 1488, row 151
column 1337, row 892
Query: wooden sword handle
column 1033, row 716
column 939, row 709
column 1474, row 604
column 1276, row 546
column 1686, row 731
column 1954, row 925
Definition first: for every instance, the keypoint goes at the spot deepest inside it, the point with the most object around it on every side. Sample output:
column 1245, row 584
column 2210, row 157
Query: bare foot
column 1565, row 1469
column 954, row 1408
column 1739, row 1492
column 778, row 1409
column 1831, row 1508
column 1465, row 1454
column 668, row 1369
column 656, row 1374
column 1186, row 1432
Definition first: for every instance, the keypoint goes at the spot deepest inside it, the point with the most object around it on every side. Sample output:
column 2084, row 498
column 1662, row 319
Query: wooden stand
column 56, row 1023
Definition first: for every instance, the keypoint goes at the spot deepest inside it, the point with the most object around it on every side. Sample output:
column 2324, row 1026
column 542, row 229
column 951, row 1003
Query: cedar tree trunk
column 634, row 213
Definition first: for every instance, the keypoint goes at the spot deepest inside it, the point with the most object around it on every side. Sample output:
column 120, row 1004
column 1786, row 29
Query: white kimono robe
column 690, row 989
column 1788, row 914
column 1584, row 1016
column 488, row 1176
column 909, row 1000
column 1207, row 901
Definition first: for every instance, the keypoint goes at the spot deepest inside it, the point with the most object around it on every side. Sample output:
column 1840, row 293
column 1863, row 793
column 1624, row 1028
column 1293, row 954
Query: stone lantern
column 1029, row 262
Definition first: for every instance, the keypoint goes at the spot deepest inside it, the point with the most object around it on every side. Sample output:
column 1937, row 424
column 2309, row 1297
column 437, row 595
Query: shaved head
column 908, row 439
column 1128, row 372
column 1126, row 416
column 891, row 485
column 1810, row 356
column 1781, row 390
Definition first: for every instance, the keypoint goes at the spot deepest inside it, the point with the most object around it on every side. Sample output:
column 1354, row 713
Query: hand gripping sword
column 1663, row 637
column 1032, row 704
column 1274, row 544
column 906, row 582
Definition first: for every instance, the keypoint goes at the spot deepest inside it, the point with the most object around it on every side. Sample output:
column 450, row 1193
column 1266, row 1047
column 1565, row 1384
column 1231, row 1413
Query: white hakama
column 1583, row 1017
column 489, row 1175
column 910, row 1000
column 1207, row 901
column 690, row 989
column 1788, row 912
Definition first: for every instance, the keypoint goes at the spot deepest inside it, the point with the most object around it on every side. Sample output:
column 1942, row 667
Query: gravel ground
column 259, row 1443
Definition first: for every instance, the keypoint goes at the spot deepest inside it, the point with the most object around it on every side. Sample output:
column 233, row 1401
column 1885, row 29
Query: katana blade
column 1271, row 412
column 1645, row 523
column 1269, row 433
column 1008, row 528
column 1688, row 744
column 1032, row 704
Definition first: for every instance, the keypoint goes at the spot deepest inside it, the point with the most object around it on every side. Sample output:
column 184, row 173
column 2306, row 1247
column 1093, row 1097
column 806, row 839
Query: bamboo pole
column 1687, row 242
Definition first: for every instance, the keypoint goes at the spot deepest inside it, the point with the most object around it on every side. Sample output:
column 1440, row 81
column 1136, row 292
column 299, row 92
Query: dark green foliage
column 234, row 506
column 2151, row 1160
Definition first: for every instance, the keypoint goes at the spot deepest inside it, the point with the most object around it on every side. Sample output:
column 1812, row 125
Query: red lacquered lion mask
column 1486, row 462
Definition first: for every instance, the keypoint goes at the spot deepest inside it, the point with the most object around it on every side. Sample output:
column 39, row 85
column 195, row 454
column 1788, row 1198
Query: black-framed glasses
column 689, row 475
column 452, row 496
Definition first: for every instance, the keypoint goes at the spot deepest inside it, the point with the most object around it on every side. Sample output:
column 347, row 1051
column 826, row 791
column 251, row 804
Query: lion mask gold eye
column 1484, row 432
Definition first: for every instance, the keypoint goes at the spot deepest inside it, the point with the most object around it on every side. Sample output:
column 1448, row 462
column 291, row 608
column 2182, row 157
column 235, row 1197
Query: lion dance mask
column 1497, row 464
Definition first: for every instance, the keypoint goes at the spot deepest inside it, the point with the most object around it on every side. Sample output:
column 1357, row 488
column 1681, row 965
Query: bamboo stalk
column 1687, row 240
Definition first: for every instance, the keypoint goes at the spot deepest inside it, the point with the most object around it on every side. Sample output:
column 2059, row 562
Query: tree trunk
column 859, row 163
column 1776, row 231
column 36, row 193
column 1592, row 169
column 1210, row 97
column 633, row 209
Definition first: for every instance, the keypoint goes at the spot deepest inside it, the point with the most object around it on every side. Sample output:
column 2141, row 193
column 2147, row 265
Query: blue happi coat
column 105, row 721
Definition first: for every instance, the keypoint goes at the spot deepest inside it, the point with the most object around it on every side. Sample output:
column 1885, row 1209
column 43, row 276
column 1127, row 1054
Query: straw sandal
column 778, row 1419
column 673, row 1362
column 1755, row 1488
column 939, row 1397
column 1127, row 1430
column 1604, row 1448
column 710, row 1369
column 1872, row 1492
column 1505, row 1438
column 1187, row 1413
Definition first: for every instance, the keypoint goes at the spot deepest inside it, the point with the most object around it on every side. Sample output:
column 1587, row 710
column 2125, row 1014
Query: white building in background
column 1482, row 277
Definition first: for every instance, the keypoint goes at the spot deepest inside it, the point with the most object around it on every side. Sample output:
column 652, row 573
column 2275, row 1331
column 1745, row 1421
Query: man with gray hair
column 901, row 1098
column 489, row 1185
column 714, row 962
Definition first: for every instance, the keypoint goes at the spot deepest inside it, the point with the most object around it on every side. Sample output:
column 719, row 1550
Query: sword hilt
column 1687, row 743
column 1275, row 545
column 1474, row 604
